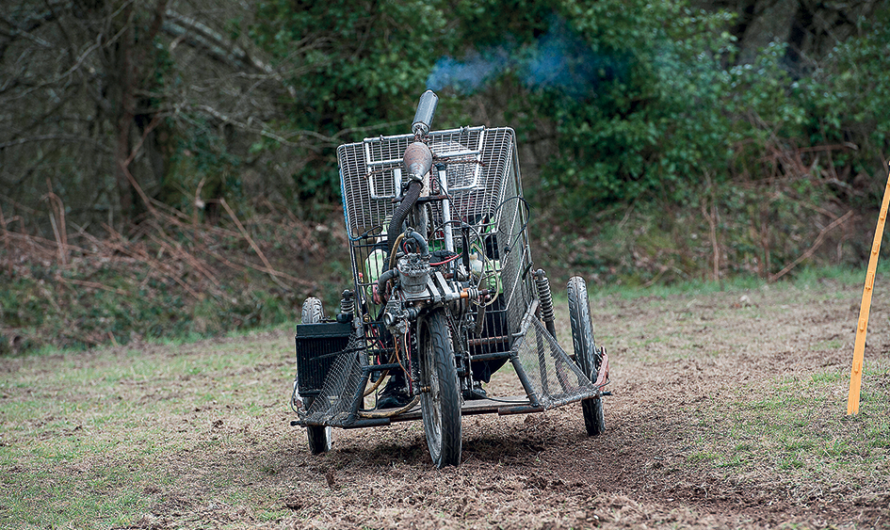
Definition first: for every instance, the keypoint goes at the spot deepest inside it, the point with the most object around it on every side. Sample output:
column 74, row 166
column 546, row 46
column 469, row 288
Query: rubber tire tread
column 585, row 352
column 319, row 437
column 450, row 411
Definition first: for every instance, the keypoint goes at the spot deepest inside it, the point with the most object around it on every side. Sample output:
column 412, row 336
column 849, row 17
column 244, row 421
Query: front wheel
column 440, row 399
column 319, row 437
column 585, row 352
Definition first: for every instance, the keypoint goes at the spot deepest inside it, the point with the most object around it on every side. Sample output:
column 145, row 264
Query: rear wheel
column 440, row 403
column 319, row 437
column 585, row 352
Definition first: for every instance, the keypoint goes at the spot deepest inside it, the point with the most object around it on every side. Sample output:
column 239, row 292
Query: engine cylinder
column 414, row 272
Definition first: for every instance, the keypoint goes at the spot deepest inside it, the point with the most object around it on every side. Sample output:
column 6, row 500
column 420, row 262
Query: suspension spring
column 546, row 298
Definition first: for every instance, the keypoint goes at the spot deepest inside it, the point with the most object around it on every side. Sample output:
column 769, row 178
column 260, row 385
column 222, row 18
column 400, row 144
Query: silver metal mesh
column 556, row 379
column 516, row 261
column 478, row 160
column 333, row 404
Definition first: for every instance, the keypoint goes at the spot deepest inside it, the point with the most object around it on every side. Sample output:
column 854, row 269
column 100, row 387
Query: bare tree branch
column 327, row 140
column 56, row 138
column 197, row 34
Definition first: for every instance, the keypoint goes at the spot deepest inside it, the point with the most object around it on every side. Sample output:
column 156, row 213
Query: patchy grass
column 798, row 424
column 99, row 439
column 728, row 410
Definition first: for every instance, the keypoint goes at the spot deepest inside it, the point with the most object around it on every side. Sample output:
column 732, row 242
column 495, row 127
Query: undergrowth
column 50, row 311
column 745, row 231
column 166, row 278
column 171, row 278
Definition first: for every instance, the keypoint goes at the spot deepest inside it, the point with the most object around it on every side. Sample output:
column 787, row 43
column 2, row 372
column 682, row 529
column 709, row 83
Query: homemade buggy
column 444, row 291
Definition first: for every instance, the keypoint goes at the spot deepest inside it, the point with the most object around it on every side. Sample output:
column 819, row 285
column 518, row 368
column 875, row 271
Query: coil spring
column 347, row 303
column 544, row 295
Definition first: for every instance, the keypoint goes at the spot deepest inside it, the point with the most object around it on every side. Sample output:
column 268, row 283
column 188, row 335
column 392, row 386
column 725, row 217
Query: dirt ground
column 686, row 369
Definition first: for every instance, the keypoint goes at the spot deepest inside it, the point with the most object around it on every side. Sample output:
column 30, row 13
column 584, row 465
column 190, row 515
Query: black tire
column 585, row 352
column 440, row 406
column 319, row 437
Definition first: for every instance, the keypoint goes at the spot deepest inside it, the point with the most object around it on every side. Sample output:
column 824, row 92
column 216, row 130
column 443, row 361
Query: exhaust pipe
column 418, row 161
column 426, row 109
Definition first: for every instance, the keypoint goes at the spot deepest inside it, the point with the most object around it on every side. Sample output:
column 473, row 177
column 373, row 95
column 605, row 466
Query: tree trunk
column 126, row 87
column 131, row 66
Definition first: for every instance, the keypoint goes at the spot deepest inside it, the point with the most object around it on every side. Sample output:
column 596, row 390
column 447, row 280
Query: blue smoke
column 472, row 73
column 559, row 61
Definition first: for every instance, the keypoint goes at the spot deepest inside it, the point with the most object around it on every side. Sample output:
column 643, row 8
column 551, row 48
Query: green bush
column 356, row 65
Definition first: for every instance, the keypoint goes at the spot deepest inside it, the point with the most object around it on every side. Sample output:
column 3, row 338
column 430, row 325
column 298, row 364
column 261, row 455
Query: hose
column 383, row 279
column 400, row 213
column 406, row 408
column 421, row 242
column 376, row 385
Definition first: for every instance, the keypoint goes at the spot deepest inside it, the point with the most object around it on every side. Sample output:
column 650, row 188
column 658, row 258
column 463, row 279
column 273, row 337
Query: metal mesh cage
column 333, row 404
column 369, row 177
column 485, row 192
column 555, row 378
column 478, row 159
column 484, row 189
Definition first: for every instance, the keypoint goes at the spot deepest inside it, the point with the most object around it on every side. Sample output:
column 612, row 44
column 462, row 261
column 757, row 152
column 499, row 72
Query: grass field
column 728, row 411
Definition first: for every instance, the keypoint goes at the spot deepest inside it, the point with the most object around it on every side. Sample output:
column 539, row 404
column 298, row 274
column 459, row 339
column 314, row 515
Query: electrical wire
column 366, row 234
column 408, row 356
column 449, row 260
column 407, row 339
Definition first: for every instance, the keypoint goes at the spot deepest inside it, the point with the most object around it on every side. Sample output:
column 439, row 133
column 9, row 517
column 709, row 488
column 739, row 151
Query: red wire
column 449, row 260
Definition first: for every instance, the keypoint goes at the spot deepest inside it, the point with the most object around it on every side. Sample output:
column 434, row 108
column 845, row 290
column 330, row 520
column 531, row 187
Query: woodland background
column 168, row 169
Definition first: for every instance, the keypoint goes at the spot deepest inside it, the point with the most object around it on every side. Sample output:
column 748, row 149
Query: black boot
column 395, row 393
column 476, row 392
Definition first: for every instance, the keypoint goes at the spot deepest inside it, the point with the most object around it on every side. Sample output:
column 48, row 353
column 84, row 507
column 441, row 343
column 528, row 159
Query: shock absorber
column 546, row 298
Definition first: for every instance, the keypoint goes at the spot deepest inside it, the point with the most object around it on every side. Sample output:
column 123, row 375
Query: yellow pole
column 862, row 326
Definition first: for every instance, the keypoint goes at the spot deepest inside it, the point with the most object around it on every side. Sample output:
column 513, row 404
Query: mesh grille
column 556, row 379
column 478, row 160
column 334, row 403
